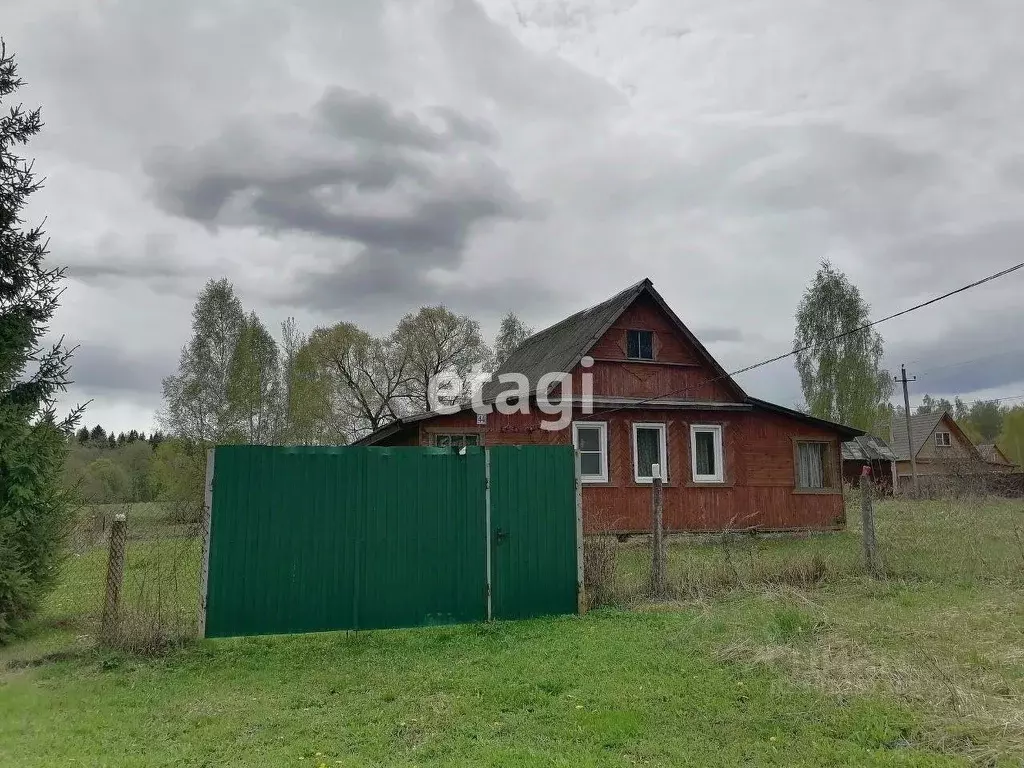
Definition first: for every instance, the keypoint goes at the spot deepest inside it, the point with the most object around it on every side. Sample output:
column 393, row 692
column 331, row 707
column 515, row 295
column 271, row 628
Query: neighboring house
column 941, row 448
column 997, row 460
column 872, row 452
column 729, row 461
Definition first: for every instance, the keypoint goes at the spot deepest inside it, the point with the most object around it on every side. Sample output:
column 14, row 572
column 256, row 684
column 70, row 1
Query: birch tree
column 512, row 333
column 196, row 405
column 842, row 378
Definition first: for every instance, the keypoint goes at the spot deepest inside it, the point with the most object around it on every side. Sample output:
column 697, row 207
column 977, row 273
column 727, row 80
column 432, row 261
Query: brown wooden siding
column 758, row 492
column 677, row 367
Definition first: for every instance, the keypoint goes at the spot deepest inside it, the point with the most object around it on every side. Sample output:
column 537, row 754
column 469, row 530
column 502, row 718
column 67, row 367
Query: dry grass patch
column 955, row 658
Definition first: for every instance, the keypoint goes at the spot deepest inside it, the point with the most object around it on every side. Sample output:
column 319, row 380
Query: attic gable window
column 942, row 440
column 640, row 345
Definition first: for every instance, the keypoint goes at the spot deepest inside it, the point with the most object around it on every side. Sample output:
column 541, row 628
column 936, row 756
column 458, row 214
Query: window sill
column 710, row 484
column 819, row 491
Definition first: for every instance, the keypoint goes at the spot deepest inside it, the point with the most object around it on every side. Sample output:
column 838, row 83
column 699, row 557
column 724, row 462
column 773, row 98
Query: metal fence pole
column 657, row 534
column 872, row 558
column 115, row 576
column 207, row 527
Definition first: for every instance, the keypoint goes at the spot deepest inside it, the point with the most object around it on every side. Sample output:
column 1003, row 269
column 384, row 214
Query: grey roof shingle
column 560, row 346
column 867, row 448
column 921, row 426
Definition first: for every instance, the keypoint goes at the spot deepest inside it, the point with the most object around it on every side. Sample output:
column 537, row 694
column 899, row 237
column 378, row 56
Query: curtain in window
column 811, row 464
column 705, row 453
column 648, row 450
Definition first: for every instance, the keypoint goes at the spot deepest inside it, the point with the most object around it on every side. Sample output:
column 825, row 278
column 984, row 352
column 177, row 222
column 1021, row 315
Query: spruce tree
column 34, row 511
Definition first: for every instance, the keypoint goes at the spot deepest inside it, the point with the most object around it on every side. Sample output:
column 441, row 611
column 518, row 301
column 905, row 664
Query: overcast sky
column 344, row 160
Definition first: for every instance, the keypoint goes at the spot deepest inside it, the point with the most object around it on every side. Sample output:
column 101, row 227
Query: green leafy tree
column 98, row 434
column 842, row 378
column 512, row 333
column 254, row 385
column 82, row 436
column 196, row 402
column 987, row 419
column 1011, row 438
column 34, row 510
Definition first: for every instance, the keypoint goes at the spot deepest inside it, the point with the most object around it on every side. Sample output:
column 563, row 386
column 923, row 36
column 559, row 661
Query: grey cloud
column 982, row 351
column 352, row 115
column 379, row 280
column 99, row 368
column 308, row 175
column 929, row 95
column 863, row 182
column 711, row 334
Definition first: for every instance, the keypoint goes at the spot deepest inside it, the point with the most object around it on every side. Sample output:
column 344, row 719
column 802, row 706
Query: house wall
column 677, row 368
column 759, row 488
column 957, row 450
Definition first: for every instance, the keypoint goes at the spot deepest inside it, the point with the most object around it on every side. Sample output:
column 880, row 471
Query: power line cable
column 844, row 334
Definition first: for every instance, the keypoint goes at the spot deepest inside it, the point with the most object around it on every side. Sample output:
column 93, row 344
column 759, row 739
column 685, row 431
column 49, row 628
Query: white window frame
column 602, row 426
column 716, row 430
column 947, row 443
column 663, row 450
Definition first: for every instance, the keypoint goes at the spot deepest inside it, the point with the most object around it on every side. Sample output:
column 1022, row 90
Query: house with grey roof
column 639, row 396
column 940, row 447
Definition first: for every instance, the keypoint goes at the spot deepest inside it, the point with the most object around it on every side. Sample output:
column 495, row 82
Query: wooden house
column 942, row 450
column 642, row 391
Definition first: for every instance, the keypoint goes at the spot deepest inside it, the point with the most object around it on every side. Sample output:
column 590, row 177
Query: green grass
column 613, row 688
column 770, row 652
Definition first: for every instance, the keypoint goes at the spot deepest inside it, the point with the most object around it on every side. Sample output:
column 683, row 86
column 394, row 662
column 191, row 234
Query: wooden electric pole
column 906, row 409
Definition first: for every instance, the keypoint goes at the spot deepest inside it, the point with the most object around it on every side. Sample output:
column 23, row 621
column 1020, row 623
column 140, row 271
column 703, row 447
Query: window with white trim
column 943, row 440
column 707, row 459
column 591, row 439
column 649, row 448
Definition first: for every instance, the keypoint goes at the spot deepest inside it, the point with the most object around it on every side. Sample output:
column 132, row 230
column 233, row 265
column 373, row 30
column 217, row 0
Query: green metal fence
column 302, row 539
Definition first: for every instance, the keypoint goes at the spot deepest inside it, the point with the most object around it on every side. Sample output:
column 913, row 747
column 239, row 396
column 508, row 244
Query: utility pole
column 906, row 408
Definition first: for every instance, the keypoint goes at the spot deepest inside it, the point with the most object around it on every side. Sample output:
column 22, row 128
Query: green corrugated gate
column 303, row 539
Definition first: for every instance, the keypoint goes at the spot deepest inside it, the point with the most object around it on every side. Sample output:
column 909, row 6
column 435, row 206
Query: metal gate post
column 581, row 594
column 204, row 574
column 487, row 532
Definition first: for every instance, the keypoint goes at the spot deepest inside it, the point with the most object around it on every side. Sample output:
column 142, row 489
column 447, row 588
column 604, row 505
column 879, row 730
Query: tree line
column 236, row 383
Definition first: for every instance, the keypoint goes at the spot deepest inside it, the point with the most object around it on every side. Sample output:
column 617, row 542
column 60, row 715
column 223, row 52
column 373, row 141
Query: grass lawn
column 773, row 652
column 613, row 688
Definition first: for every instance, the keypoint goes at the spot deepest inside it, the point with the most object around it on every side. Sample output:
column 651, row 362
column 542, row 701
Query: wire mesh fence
column 157, row 588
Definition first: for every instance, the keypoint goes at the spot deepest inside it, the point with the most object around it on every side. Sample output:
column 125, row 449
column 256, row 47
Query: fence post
column 581, row 593
column 657, row 533
column 872, row 558
column 115, row 576
column 207, row 527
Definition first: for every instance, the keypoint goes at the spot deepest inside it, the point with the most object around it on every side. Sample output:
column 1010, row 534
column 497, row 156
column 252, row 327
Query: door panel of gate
column 533, row 531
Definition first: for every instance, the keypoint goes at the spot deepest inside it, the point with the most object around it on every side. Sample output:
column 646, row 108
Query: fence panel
column 305, row 539
column 533, row 530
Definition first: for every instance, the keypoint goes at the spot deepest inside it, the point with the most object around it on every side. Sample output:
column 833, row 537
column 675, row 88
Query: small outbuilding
column 868, row 451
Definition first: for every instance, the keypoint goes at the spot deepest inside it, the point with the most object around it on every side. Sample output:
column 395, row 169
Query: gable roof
column 993, row 454
column 921, row 427
column 561, row 346
column 867, row 448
